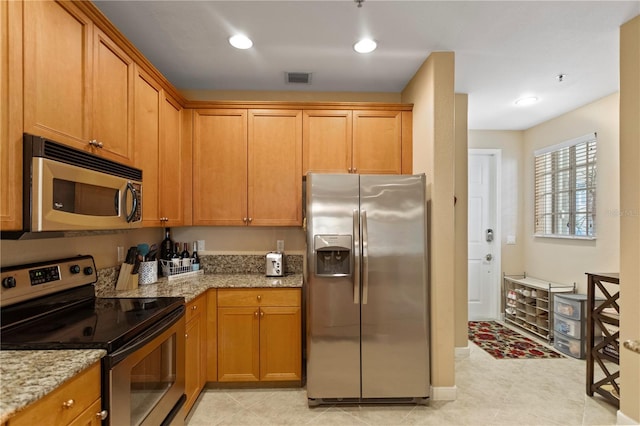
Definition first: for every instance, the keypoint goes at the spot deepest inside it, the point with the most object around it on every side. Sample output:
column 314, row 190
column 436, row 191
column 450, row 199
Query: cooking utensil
column 143, row 249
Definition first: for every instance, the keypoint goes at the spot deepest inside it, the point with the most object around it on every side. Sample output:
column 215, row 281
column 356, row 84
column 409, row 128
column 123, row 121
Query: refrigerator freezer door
column 333, row 319
column 395, row 352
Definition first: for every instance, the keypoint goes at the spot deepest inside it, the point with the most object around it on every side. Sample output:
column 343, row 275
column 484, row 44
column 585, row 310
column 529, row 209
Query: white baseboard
column 463, row 352
column 621, row 419
column 444, row 393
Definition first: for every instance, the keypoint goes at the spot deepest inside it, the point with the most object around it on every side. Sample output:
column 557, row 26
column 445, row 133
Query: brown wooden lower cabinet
column 259, row 335
column 77, row 402
column 195, row 349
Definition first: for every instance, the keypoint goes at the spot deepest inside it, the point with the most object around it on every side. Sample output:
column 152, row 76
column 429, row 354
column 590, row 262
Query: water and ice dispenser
column 333, row 255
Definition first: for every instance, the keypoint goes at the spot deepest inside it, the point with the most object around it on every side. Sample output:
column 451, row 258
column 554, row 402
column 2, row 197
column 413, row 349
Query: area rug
column 504, row 343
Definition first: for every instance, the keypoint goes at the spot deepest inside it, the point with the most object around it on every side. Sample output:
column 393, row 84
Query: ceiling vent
column 297, row 77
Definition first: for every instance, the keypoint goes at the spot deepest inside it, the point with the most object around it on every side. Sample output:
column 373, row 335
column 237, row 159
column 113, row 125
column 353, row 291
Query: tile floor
column 490, row 392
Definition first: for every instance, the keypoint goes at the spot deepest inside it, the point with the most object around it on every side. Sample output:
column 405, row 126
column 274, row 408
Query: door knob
column 488, row 257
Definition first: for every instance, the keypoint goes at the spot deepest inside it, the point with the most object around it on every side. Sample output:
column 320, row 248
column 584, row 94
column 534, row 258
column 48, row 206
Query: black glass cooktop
column 98, row 323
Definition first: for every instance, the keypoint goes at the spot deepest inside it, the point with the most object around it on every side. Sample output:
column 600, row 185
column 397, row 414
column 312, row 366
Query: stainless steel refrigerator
column 367, row 289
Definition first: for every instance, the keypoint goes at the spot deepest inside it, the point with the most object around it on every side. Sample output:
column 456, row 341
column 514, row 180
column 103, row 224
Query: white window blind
column 565, row 189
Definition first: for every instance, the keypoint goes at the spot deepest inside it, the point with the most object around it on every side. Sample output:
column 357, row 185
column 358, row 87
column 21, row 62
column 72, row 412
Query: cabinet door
column 91, row 416
column 112, row 111
column 280, row 343
column 220, row 167
column 326, row 141
column 212, row 335
column 148, row 97
column 377, row 142
column 193, row 380
column 275, row 167
column 238, row 344
column 11, row 115
column 57, row 72
column 172, row 165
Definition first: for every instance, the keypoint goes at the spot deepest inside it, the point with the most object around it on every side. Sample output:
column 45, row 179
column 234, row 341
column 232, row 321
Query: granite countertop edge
column 194, row 286
column 28, row 376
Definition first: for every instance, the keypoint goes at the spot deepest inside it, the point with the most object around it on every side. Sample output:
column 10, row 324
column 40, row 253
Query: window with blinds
column 565, row 189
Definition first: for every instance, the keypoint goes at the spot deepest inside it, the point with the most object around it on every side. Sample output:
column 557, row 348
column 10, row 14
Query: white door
column 483, row 234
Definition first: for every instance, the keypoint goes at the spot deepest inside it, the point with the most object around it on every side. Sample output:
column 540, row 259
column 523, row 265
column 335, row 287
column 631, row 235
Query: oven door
column 145, row 380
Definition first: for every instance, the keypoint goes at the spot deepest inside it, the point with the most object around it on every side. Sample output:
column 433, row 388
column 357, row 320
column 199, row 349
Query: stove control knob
column 9, row 282
column 88, row 270
column 74, row 269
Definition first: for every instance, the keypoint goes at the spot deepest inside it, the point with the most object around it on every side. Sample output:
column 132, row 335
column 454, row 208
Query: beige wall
column 431, row 91
column 461, row 302
column 222, row 239
column 630, row 217
column 510, row 143
column 292, row 96
column 563, row 260
column 103, row 248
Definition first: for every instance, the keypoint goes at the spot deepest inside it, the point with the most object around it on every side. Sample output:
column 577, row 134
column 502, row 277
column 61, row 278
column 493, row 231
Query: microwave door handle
column 134, row 204
column 116, row 202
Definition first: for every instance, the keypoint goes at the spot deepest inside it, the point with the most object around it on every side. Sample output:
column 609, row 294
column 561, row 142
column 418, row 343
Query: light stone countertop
column 27, row 376
column 192, row 287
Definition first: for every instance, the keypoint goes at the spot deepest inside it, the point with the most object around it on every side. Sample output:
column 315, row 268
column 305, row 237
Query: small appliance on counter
column 275, row 264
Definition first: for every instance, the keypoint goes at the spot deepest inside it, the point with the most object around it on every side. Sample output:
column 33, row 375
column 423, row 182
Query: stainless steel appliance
column 65, row 189
column 367, row 290
column 275, row 264
column 52, row 305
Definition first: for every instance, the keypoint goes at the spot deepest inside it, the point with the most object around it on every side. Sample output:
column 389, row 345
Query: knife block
column 126, row 280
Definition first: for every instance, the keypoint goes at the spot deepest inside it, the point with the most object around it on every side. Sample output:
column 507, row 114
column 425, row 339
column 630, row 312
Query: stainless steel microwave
column 66, row 189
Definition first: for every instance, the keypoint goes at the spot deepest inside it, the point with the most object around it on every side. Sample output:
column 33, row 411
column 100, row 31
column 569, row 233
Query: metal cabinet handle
column 102, row 415
column 69, row 403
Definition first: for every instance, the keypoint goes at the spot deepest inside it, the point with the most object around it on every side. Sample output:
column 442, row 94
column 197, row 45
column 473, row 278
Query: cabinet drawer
column 64, row 404
column 568, row 327
column 259, row 297
column 196, row 306
column 569, row 346
column 569, row 306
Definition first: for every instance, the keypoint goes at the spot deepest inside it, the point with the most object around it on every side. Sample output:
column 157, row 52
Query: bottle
column 185, row 253
column 175, row 253
column 166, row 248
column 195, row 266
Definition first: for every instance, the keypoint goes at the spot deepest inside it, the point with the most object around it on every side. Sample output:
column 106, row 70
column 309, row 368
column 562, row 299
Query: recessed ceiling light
column 240, row 41
column 366, row 45
column 529, row 100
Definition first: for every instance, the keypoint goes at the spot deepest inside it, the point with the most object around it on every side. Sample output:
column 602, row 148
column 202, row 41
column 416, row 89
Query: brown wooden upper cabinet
column 345, row 141
column 78, row 84
column 162, row 152
column 247, row 167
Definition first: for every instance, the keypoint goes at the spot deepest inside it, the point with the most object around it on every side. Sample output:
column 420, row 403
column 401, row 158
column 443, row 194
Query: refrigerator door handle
column 365, row 258
column 356, row 253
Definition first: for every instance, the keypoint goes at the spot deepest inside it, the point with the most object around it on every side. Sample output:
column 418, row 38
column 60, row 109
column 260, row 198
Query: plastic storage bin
column 570, row 306
column 572, row 347
column 569, row 327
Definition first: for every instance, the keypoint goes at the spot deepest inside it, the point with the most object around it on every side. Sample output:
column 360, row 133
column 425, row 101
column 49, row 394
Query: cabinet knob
column 244, row 219
column 102, row 414
column 259, row 298
column 69, row 403
column 261, row 314
column 250, row 219
column 355, row 170
column 349, row 169
column 186, row 336
column 255, row 314
column 194, row 307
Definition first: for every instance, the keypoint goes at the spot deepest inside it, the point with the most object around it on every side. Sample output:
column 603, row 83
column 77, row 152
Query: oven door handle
column 138, row 343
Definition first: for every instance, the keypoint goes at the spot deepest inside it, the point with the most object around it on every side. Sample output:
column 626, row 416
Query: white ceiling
column 503, row 50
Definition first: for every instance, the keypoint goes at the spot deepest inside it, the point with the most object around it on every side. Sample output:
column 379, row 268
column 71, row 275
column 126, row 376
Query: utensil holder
column 148, row 273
